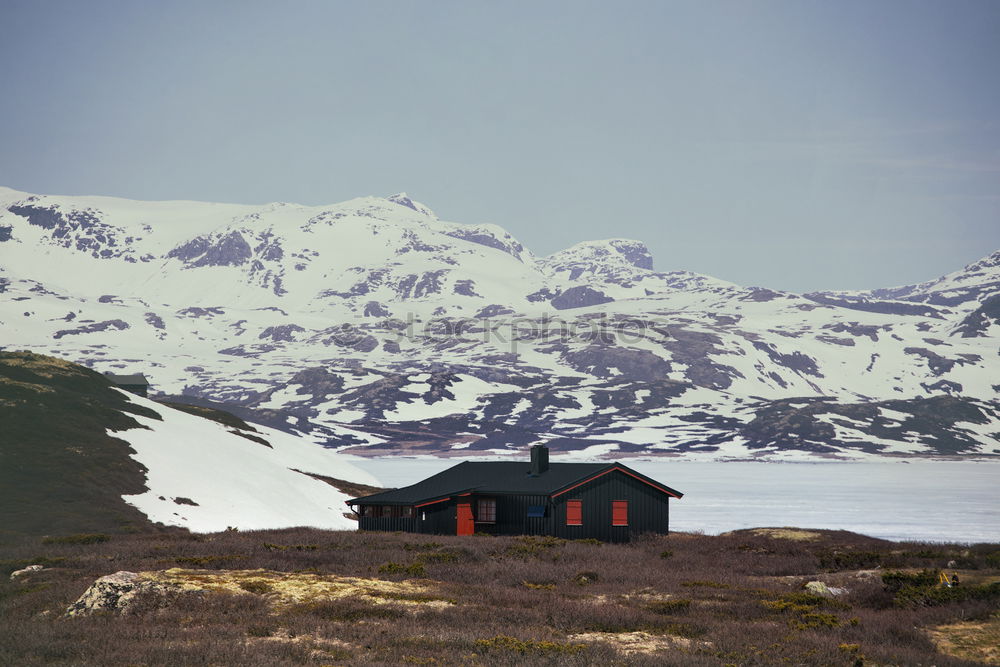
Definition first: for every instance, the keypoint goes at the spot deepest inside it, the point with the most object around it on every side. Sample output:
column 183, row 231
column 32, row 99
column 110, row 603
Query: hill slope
column 78, row 455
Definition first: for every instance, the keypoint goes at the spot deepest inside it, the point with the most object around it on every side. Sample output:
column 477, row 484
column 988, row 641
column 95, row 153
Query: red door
column 466, row 526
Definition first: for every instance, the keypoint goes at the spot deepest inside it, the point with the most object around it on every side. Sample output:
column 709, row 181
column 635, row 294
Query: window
column 574, row 512
column 364, row 510
column 406, row 512
column 536, row 511
column 619, row 512
column 486, row 510
column 386, row 511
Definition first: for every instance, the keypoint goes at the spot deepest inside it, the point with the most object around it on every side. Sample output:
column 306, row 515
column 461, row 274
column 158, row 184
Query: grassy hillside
column 309, row 597
column 60, row 472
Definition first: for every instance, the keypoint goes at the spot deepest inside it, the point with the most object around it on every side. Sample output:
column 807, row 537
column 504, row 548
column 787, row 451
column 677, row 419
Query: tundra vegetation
column 304, row 596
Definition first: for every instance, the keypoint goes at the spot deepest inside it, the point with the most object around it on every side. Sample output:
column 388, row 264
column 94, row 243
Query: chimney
column 539, row 459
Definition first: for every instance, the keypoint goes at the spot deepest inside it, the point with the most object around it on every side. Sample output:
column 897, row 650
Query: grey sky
column 796, row 145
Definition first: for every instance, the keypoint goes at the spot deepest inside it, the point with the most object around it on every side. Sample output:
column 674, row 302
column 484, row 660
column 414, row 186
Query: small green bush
column 895, row 581
column 445, row 556
column 415, row 569
column 257, row 587
column 206, row 560
column 835, row 559
column 815, row 621
column 704, row 584
column 528, row 646
column 544, row 586
column 935, row 596
column 675, row 606
column 290, row 547
column 82, row 538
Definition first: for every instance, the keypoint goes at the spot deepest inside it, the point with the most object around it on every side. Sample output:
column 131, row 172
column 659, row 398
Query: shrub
column 704, row 584
column 444, row 556
column 258, row 587
column 547, row 586
column 531, row 545
column 674, row 606
column 82, row 538
column 259, row 631
column 349, row 609
column 288, row 547
column 934, row 596
column 815, row 620
column 894, row 581
column 850, row 560
column 527, row 646
column 415, row 569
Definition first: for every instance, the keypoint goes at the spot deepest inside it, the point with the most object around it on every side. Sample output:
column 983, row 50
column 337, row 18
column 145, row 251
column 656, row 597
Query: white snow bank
column 234, row 481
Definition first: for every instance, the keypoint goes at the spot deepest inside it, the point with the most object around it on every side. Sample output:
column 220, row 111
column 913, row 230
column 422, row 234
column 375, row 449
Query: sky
column 794, row 145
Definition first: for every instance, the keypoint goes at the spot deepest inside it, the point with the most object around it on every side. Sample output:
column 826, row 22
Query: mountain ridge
column 376, row 327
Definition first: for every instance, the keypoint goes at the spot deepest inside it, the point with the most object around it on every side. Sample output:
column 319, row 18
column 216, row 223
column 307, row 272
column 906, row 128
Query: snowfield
column 205, row 477
column 374, row 328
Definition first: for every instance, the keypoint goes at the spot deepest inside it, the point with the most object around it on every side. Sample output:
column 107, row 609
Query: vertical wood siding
column 648, row 512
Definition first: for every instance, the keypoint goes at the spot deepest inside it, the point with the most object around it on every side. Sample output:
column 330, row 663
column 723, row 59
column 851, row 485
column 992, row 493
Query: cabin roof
column 134, row 378
column 502, row 477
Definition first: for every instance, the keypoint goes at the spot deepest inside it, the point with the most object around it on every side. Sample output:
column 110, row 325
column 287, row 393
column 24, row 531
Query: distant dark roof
column 135, row 378
column 501, row 477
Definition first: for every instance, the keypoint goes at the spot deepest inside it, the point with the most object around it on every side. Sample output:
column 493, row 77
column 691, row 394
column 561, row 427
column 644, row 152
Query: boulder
column 28, row 570
column 819, row 588
column 116, row 592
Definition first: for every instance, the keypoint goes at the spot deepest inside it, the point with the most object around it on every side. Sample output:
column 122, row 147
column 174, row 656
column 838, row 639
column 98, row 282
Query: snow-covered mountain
column 377, row 328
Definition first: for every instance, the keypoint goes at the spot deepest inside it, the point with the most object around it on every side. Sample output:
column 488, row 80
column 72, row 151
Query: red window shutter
column 619, row 512
column 574, row 512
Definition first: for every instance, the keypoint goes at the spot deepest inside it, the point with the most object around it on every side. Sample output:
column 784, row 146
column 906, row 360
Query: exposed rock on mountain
column 372, row 326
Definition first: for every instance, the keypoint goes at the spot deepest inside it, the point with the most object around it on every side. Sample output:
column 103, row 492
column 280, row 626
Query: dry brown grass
column 971, row 640
column 788, row 534
column 310, row 597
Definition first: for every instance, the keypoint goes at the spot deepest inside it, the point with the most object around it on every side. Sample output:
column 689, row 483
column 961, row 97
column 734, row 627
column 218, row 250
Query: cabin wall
column 436, row 519
column 648, row 510
column 512, row 515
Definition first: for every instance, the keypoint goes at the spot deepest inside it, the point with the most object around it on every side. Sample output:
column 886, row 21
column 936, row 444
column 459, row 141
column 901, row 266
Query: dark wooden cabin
column 607, row 501
column 135, row 383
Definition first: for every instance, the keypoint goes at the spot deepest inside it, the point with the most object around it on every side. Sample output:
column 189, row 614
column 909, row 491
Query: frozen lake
column 923, row 500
